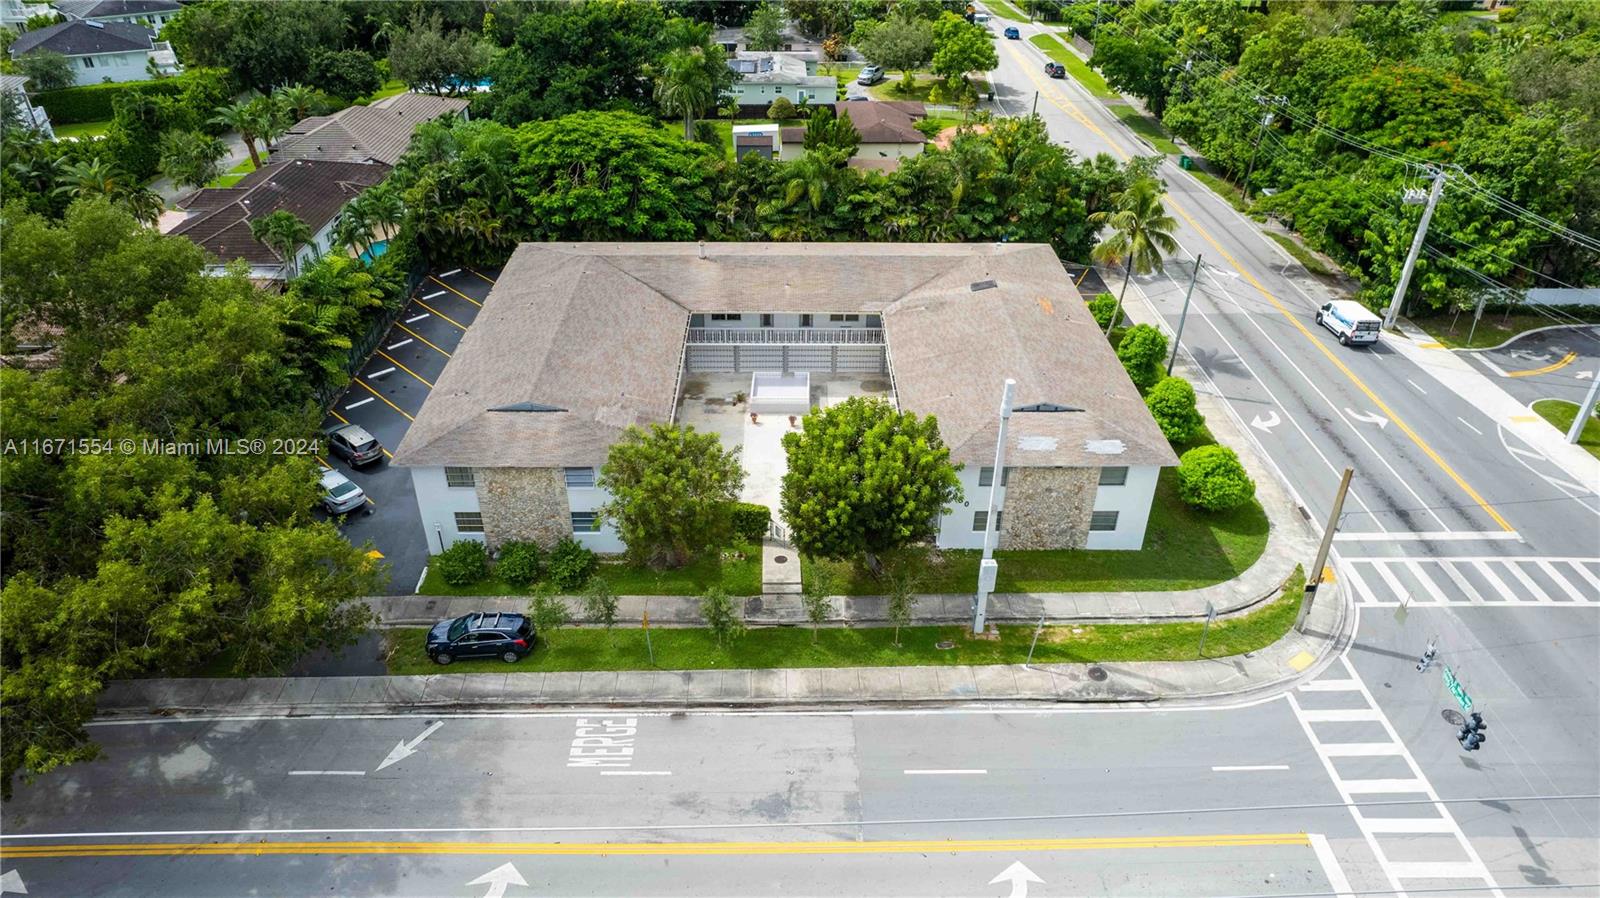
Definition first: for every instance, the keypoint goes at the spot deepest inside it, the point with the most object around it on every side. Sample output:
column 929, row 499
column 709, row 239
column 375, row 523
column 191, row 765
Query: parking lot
column 385, row 397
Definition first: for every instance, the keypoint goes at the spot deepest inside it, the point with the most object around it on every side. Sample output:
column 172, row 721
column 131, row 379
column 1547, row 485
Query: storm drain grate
column 1097, row 673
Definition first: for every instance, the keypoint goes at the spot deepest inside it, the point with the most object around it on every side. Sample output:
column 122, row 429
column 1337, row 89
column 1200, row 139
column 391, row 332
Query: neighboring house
column 590, row 338
column 764, row 77
column 32, row 116
column 376, row 133
column 101, row 51
column 14, row 12
column 150, row 14
column 315, row 191
column 887, row 128
column 734, row 42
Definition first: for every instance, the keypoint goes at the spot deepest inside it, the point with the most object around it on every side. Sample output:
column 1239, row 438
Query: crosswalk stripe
column 1426, row 581
column 1556, row 578
column 1583, row 569
column 1363, row 591
column 1461, row 582
column 1393, row 582
column 1406, row 825
column 1493, row 578
column 1383, row 785
column 1538, row 593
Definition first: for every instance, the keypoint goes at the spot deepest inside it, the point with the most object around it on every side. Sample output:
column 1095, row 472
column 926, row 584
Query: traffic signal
column 1426, row 660
column 1472, row 735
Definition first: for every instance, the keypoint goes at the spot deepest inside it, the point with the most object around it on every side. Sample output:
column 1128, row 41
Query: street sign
column 1454, row 685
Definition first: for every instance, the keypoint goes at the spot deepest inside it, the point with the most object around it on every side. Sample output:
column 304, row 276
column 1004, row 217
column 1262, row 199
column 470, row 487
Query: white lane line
column 1415, row 387
column 450, row 272
column 950, row 772
column 418, row 318
column 1364, row 592
column 1577, row 565
column 1567, row 587
column 1330, row 866
column 1469, row 426
column 377, row 374
column 635, row 773
column 421, row 577
column 359, row 404
column 400, row 344
column 1246, row 767
column 1426, row 581
column 327, row 773
column 1429, row 536
column 436, row 294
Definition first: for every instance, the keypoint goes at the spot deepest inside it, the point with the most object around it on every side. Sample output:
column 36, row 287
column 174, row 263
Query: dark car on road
column 1055, row 70
column 481, row 635
column 1012, row 34
column 352, row 443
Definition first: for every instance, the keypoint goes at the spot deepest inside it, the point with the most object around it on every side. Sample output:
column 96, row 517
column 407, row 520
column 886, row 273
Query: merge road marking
column 603, row 742
column 922, row 846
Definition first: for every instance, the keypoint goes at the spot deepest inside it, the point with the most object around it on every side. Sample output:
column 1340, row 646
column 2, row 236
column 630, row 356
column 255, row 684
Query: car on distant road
column 494, row 634
column 1350, row 321
column 1012, row 34
column 1055, row 70
column 871, row 74
column 340, row 495
column 352, row 443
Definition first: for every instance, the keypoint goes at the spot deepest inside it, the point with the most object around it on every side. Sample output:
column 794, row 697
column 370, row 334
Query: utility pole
column 1585, row 410
column 988, row 568
column 1314, row 578
column 1035, row 103
column 1266, row 119
column 1183, row 316
column 1416, row 245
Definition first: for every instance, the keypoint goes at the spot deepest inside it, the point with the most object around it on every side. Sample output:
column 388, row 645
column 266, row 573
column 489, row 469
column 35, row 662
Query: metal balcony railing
column 861, row 336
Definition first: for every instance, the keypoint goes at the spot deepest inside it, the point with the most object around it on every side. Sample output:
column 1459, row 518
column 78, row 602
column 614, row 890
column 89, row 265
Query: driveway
column 385, row 397
column 1548, row 364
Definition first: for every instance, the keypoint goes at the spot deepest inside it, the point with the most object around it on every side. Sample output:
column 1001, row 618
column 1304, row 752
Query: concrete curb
column 1537, row 330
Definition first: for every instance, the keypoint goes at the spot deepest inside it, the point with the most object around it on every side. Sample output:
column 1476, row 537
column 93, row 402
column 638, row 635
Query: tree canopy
column 672, row 492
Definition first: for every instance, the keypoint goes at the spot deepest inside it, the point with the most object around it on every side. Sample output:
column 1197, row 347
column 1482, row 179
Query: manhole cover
column 944, row 644
column 780, row 559
column 1452, row 717
column 1097, row 673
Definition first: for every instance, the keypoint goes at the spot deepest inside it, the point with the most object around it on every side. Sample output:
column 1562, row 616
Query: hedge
column 93, row 102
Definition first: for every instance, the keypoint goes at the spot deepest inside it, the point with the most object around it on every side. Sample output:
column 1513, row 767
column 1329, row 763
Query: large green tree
column 431, row 59
column 864, row 478
column 672, row 492
column 262, row 45
column 961, row 47
column 191, row 159
column 902, row 43
column 284, row 232
column 571, row 57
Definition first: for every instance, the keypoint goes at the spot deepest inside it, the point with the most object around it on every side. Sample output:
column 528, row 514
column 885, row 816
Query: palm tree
column 282, row 231
column 354, row 228
column 271, row 119
column 814, row 176
column 143, row 204
column 296, row 98
column 685, row 85
column 243, row 118
column 384, row 209
column 1142, row 231
column 95, row 177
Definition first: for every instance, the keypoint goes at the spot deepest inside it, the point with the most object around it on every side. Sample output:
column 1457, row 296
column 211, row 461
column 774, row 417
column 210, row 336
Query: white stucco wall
column 955, row 528
column 605, row 540
column 1132, row 503
column 437, row 504
column 819, row 321
column 888, row 150
column 113, row 66
column 754, row 94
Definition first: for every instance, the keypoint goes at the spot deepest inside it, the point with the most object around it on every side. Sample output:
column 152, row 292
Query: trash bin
column 1185, row 162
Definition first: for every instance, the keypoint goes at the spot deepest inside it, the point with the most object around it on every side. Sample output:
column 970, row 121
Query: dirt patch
column 944, row 138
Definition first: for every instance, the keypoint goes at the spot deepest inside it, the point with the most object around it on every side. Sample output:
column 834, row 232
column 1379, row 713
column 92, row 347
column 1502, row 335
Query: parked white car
column 1350, row 321
column 340, row 495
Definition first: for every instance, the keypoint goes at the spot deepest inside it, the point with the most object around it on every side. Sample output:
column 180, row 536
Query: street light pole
column 1585, row 410
column 1183, row 316
column 988, row 567
column 1416, row 247
column 1314, row 576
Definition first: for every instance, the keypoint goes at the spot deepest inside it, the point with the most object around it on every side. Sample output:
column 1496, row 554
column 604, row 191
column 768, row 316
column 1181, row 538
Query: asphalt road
column 1545, row 364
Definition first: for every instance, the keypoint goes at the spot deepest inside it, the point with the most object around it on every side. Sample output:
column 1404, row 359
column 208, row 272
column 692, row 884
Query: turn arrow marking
column 1265, row 426
column 1020, row 876
column 12, row 882
column 499, row 879
column 1584, row 375
column 1368, row 417
column 407, row 749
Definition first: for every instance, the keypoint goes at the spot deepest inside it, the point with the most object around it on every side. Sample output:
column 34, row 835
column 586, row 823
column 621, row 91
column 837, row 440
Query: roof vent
column 527, row 407
column 1046, row 407
column 95, row 24
column 983, row 285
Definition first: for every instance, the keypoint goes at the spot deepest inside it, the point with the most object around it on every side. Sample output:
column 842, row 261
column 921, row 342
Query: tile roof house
column 100, row 51
column 376, row 133
column 578, row 341
column 314, row 190
column 151, row 14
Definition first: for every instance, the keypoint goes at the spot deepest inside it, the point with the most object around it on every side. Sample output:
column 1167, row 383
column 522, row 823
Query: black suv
column 481, row 635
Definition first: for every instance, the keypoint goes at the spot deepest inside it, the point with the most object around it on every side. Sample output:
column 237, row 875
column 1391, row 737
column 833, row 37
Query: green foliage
column 826, row 130
column 764, row 31
column 1211, row 478
column 902, row 601
column 750, row 522
column 570, row 564
column 1136, row 65
column 517, row 563
column 900, row 43
column 865, row 478
column 47, row 70
column 1102, row 307
column 191, row 159
column 1171, row 403
column 576, row 57
column 284, row 232
column 464, row 562
column 261, row 44
column 549, row 614
column 722, row 615
column 1143, row 352
column 961, row 47
column 816, row 594
column 201, row 89
column 428, row 58
column 344, row 73
column 782, row 110
column 600, row 603
column 672, row 492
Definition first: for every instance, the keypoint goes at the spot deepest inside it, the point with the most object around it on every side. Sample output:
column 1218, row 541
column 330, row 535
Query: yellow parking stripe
column 482, row 275
column 435, row 311
column 385, row 401
column 404, row 368
column 455, row 291
column 603, row 849
column 1546, row 369
column 1383, row 408
column 422, row 338
column 344, row 420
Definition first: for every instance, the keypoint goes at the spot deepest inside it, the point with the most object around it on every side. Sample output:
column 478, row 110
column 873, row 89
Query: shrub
column 1211, row 477
column 706, row 132
column 464, row 563
column 344, row 73
column 518, row 564
column 548, row 614
column 201, row 89
column 1102, row 307
column 721, row 614
column 750, row 521
column 1171, row 403
column 782, row 110
column 1143, row 349
column 600, row 604
column 570, row 565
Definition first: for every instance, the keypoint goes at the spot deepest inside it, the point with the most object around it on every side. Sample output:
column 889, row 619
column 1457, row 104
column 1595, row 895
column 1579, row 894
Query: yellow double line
column 675, row 849
column 1565, row 361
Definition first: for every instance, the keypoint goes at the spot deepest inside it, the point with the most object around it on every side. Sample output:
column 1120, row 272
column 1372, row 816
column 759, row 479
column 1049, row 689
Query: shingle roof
column 876, row 122
column 377, row 133
column 84, row 39
column 94, row 9
column 597, row 329
column 314, row 191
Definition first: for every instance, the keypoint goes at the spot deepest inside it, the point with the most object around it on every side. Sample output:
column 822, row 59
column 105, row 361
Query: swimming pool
column 372, row 253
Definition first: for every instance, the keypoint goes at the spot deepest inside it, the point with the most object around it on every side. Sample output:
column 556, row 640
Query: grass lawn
column 82, row 130
column 1146, row 127
column 233, row 175
column 1310, row 262
column 889, row 88
column 1076, row 67
column 1560, row 413
column 1005, row 10
column 1184, row 548
column 740, row 577
column 696, row 649
column 389, row 89
column 1495, row 328
column 1221, row 187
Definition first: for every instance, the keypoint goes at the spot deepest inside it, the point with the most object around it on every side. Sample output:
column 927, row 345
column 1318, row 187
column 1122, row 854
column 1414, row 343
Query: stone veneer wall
column 526, row 504
column 1048, row 508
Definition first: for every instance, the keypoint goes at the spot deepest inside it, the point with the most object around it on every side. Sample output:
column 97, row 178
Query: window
column 1101, row 521
column 697, row 320
column 805, row 320
column 584, row 522
column 459, row 477
column 986, row 477
column 1113, row 476
column 980, row 520
column 469, row 522
column 580, row 477
column 874, row 321
column 844, row 317
column 723, row 316
column 88, row 62
column 766, row 319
